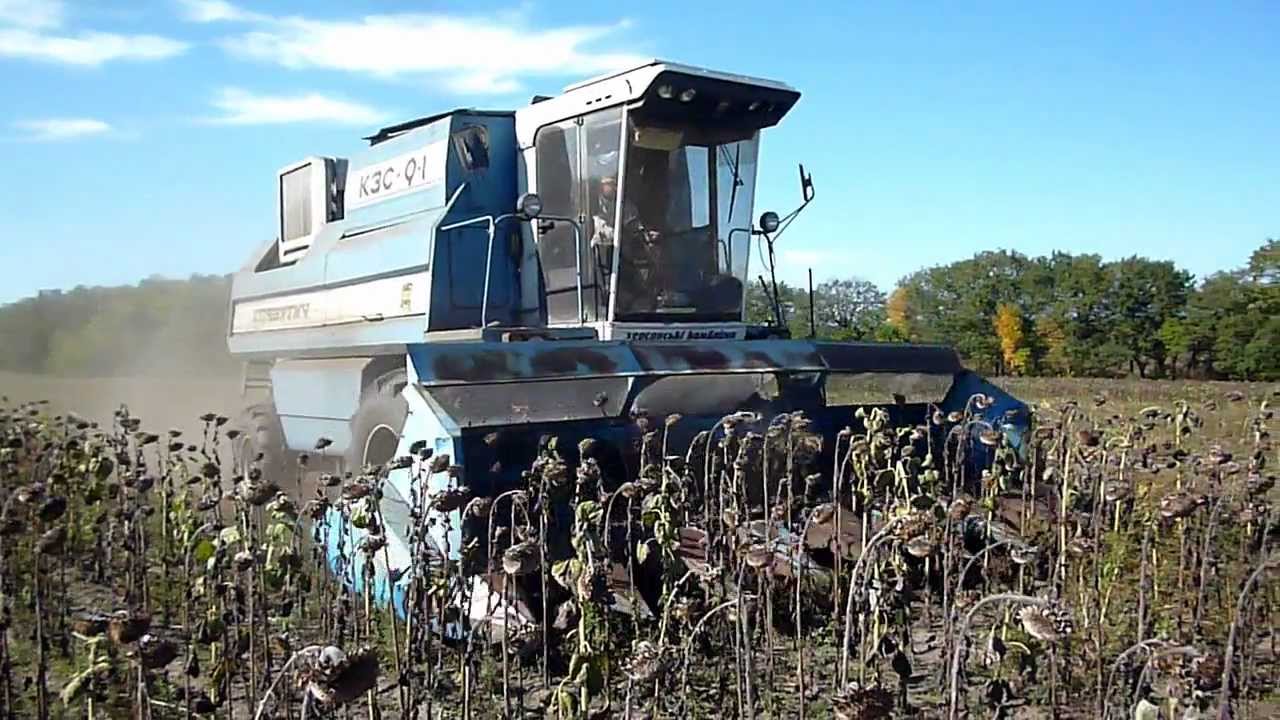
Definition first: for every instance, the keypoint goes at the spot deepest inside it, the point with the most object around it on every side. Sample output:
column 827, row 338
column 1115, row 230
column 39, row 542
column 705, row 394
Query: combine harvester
column 475, row 281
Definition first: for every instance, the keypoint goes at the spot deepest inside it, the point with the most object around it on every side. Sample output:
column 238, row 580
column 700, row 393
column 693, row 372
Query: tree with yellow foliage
column 1008, row 325
column 1053, row 341
column 898, row 311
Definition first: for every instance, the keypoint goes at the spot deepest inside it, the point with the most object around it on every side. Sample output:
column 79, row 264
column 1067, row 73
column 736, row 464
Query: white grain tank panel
column 301, row 434
column 316, row 398
column 318, row 388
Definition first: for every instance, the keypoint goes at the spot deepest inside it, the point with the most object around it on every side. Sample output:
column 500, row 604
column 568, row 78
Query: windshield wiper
column 737, row 181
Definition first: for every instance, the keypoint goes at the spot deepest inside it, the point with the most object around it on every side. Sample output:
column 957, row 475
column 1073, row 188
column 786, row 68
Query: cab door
column 574, row 157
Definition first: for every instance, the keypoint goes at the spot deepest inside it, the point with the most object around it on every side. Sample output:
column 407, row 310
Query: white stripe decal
column 385, row 298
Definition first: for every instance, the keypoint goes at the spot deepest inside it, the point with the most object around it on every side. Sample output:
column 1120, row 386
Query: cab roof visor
column 717, row 103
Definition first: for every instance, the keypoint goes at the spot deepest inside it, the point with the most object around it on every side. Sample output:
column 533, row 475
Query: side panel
column 367, row 301
column 427, row 422
column 481, row 155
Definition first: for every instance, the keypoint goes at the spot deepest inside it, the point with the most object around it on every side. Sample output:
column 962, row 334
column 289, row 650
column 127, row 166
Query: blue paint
column 341, row 539
column 492, row 467
column 458, row 255
column 1006, row 414
column 422, row 423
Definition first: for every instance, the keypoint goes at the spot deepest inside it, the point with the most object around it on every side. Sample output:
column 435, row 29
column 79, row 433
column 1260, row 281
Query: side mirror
column 529, row 206
column 769, row 222
column 806, row 184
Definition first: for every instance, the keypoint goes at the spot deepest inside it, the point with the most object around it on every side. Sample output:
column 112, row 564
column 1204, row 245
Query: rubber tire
column 264, row 434
column 377, row 412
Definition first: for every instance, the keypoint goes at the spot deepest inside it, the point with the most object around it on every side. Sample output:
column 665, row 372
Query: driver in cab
column 642, row 271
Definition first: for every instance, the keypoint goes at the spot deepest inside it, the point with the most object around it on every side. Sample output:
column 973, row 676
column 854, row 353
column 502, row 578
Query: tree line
column 1062, row 315
column 1005, row 312
column 157, row 327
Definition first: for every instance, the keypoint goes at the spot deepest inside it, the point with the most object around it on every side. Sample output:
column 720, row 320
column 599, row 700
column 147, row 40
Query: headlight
column 529, row 206
column 769, row 221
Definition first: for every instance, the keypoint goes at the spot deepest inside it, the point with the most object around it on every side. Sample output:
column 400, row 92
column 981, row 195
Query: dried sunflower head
column 1048, row 623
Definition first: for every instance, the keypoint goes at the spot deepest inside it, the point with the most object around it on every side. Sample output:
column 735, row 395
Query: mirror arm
column 807, row 194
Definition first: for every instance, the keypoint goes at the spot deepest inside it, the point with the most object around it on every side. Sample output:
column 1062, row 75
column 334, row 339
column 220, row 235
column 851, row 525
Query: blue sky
column 142, row 138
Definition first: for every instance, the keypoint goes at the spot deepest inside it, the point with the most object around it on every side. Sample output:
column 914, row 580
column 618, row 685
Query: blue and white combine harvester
column 474, row 282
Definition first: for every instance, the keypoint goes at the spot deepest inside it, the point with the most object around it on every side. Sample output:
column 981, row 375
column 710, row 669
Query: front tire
column 375, row 431
column 262, row 443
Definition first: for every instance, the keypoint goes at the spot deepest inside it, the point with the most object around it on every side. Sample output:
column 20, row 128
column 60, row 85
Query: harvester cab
column 477, row 291
column 646, row 181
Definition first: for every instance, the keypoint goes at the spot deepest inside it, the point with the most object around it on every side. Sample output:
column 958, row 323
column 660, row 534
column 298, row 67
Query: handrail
column 492, row 222
column 577, row 253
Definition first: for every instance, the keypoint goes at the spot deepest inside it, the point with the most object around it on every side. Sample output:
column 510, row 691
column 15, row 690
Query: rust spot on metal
column 758, row 360
column 682, row 357
column 568, row 361
column 474, row 366
column 805, row 357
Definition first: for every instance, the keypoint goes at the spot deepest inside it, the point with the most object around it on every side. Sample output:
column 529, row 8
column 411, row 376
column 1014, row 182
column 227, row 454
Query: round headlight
column 688, row 95
column 529, row 206
column 666, row 92
column 769, row 221
column 754, row 106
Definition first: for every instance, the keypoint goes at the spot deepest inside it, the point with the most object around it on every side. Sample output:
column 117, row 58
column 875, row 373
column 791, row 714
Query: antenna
column 813, row 325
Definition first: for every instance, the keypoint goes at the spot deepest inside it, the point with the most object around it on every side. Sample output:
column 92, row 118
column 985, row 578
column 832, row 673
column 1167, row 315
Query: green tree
column 158, row 326
column 849, row 309
column 1141, row 295
column 956, row 304
column 1262, row 354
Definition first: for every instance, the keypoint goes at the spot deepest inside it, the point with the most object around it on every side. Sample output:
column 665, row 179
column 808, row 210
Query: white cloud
column 86, row 48
column 241, row 107
column 207, row 11
column 802, row 259
column 32, row 30
column 52, row 129
column 467, row 54
column 31, row 13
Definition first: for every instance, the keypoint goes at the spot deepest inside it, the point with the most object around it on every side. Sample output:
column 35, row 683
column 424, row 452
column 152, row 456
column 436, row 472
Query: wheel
column 375, row 430
column 262, row 443
column 375, row 437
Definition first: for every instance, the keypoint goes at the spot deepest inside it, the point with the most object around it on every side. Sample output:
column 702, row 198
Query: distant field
column 165, row 402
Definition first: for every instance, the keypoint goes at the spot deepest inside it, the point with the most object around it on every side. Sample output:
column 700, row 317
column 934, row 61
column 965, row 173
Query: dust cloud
column 169, row 379
column 162, row 403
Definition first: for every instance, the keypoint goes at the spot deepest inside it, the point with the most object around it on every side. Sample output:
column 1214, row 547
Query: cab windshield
column 682, row 227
